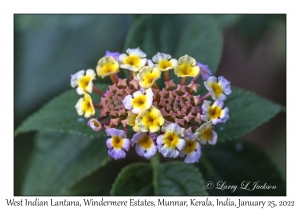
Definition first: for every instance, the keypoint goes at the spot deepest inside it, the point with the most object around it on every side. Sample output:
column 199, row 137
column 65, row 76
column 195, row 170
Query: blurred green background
column 49, row 48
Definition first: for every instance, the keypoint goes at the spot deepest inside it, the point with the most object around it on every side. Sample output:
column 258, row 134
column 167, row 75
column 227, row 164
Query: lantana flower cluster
column 173, row 120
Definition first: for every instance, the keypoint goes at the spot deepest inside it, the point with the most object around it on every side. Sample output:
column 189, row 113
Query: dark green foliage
column 61, row 160
column 247, row 111
column 60, row 115
column 174, row 178
column 237, row 162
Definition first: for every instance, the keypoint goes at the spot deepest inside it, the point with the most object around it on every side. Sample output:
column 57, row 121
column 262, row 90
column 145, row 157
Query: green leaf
column 200, row 36
column 61, row 160
column 101, row 181
column 247, row 111
column 49, row 48
column 179, row 178
column 134, row 179
column 235, row 162
column 60, row 115
column 174, row 178
column 227, row 20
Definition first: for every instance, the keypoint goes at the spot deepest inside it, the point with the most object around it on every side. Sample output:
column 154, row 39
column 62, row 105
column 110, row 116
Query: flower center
column 149, row 120
column 109, row 67
column 149, row 78
column 117, row 142
column 84, row 81
column 171, row 139
column 214, row 112
column 139, row 101
column 216, row 88
column 190, row 146
column 96, row 124
column 185, row 69
column 86, row 106
column 207, row 134
column 165, row 64
column 145, row 142
column 133, row 60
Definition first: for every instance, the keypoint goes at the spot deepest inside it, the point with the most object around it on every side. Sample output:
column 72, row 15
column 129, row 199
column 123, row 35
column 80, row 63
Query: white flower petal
column 160, row 56
column 129, row 67
column 193, row 157
column 126, row 144
column 213, row 141
column 150, row 152
column 159, row 139
column 80, row 91
column 115, row 132
column 90, row 87
column 117, row 153
column 212, row 79
column 166, row 152
column 225, row 114
column 137, row 137
column 181, row 144
column 78, row 106
column 225, row 85
column 137, row 93
column 173, row 62
column 181, row 153
column 136, row 110
column 143, row 62
column 150, row 63
column 137, row 52
column 76, row 77
column 134, row 74
column 222, row 97
column 87, row 115
column 219, row 103
column 90, row 72
column 108, row 143
column 140, row 150
column 206, row 105
column 122, row 58
column 149, row 98
column 127, row 102
column 227, row 89
column 203, row 142
column 173, row 127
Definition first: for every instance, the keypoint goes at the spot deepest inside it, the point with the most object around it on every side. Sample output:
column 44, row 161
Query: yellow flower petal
column 117, row 142
column 106, row 66
column 85, row 105
column 186, row 67
column 147, row 76
column 150, row 120
column 134, row 60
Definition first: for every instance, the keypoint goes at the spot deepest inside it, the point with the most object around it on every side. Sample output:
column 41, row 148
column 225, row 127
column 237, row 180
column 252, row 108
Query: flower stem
column 206, row 96
column 154, row 164
column 183, row 80
column 196, row 77
column 113, row 78
column 130, row 76
column 166, row 76
column 130, row 79
column 195, row 127
column 97, row 105
column 125, row 129
column 155, row 85
column 98, row 91
column 116, row 76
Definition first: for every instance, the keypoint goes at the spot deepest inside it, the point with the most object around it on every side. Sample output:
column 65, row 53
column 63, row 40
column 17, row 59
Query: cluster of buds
column 165, row 120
